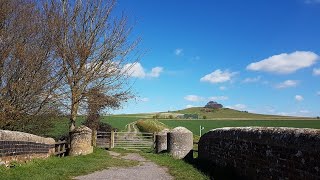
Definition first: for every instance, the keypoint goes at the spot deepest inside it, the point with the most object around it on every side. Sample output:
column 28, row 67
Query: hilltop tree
column 93, row 48
column 213, row 105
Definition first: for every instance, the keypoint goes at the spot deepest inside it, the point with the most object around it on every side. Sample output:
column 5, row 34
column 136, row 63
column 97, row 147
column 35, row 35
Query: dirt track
column 146, row 170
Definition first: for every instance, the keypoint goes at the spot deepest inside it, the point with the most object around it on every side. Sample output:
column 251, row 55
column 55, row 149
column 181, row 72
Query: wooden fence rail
column 60, row 148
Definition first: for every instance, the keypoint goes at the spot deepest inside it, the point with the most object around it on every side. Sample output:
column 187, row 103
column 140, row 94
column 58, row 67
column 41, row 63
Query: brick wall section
column 264, row 153
column 19, row 146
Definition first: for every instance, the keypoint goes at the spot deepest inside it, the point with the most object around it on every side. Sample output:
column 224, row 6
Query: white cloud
column 287, row 84
column 218, row 98
column 218, row 76
column 144, row 99
column 252, row 80
column 298, row 98
column 155, row 72
column 304, row 111
column 239, row 107
column 285, row 63
column 190, row 106
column 222, row 88
column 193, row 98
column 178, row 52
column 318, row 93
column 316, row 71
column 136, row 70
column 312, row 1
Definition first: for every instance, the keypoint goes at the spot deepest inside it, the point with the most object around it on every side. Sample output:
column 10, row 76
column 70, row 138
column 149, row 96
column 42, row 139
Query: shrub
column 151, row 126
column 170, row 117
column 204, row 117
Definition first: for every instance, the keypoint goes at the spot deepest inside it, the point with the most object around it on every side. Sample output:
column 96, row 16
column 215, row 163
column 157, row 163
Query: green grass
column 61, row 125
column 177, row 168
column 193, row 125
column 119, row 121
column 231, row 114
column 150, row 125
column 63, row 168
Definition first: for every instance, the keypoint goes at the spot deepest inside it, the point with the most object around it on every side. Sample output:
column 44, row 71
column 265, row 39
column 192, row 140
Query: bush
column 170, row 117
column 204, row 117
column 150, row 126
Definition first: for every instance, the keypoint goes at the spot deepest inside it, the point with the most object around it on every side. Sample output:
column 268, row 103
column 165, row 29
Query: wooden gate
column 104, row 139
column 126, row 140
column 132, row 140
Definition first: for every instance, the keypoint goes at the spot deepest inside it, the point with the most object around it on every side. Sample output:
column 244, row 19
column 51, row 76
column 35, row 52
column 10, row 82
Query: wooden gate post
column 112, row 139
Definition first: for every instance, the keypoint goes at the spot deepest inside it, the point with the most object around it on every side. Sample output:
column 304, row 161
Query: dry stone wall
column 264, row 153
column 20, row 146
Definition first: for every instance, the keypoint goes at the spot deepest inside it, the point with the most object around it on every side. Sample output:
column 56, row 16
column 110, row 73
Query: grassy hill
column 226, row 113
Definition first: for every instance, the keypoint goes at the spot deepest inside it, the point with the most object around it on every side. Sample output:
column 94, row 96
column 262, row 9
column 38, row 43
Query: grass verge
column 179, row 169
column 63, row 168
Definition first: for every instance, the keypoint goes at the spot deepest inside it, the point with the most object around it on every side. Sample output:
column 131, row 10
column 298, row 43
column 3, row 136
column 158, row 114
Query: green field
column 119, row 122
column 193, row 125
column 61, row 125
column 226, row 113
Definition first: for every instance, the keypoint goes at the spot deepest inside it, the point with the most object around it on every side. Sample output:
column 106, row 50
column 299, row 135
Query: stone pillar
column 81, row 141
column 180, row 143
column 161, row 141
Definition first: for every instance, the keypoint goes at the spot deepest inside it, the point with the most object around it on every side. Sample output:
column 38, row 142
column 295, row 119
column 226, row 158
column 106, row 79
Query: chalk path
column 146, row 170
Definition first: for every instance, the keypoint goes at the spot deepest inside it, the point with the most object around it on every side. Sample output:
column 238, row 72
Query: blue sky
column 260, row 56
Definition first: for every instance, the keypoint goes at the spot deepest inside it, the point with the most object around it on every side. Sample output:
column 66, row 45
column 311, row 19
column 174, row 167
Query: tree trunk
column 74, row 112
column 94, row 137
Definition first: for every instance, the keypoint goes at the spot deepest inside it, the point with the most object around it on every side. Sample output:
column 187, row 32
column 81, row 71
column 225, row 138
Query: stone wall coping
column 6, row 135
column 81, row 129
column 305, row 138
column 180, row 130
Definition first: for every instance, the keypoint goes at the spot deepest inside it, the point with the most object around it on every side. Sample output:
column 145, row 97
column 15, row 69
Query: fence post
column 112, row 139
column 154, row 140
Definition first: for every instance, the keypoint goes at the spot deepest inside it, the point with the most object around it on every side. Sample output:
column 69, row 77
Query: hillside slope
column 226, row 113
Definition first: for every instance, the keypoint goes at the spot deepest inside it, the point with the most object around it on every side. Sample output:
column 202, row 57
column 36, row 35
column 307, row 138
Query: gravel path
column 146, row 170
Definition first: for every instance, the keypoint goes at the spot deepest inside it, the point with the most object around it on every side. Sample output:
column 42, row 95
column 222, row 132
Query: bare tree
column 27, row 76
column 93, row 46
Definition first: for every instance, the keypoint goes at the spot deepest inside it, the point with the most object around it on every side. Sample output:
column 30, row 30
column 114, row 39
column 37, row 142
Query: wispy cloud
column 287, row 84
column 218, row 76
column 239, row 107
column 145, row 99
column 316, row 71
column 298, row 98
column 318, row 93
column 194, row 98
column 285, row 63
column 155, row 72
column 190, row 106
column 312, row 1
column 252, row 80
column 222, row 88
column 178, row 52
column 218, row 98
column 136, row 70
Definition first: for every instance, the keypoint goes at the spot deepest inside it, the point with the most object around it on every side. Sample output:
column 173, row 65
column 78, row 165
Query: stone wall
column 20, row 146
column 264, row 153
